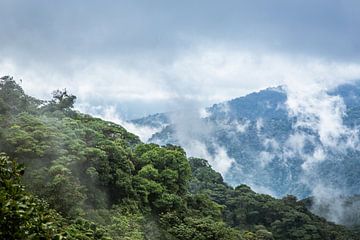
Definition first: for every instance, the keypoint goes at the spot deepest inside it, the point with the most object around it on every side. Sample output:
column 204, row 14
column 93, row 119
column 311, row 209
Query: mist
column 307, row 83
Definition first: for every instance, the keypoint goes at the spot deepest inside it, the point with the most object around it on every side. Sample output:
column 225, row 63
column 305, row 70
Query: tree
column 63, row 99
column 23, row 216
column 13, row 99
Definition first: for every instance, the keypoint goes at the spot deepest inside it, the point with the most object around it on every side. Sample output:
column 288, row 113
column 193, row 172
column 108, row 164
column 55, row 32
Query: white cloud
column 331, row 202
column 265, row 158
column 271, row 149
column 311, row 160
column 206, row 74
column 296, row 141
column 240, row 127
column 109, row 113
column 261, row 189
column 321, row 112
column 204, row 113
column 259, row 124
column 219, row 160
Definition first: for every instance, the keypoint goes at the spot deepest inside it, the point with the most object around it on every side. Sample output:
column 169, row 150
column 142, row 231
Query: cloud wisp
column 109, row 113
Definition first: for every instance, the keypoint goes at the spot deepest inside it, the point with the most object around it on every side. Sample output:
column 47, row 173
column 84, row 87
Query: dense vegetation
column 67, row 175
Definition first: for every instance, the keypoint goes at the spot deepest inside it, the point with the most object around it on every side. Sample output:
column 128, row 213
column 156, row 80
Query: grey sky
column 154, row 53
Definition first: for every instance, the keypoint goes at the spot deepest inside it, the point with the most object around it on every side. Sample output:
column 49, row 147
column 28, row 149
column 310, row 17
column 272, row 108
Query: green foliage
column 13, row 99
column 199, row 228
column 106, row 184
column 21, row 215
column 83, row 229
column 162, row 176
column 173, row 168
column 126, row 224
column 62, row 191
column 278, row 219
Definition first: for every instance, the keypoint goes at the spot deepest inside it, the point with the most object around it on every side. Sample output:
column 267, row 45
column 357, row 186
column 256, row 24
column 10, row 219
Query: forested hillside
column 67, row 175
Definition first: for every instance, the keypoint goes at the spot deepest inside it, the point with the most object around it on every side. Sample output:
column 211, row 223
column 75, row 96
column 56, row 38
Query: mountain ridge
column 261, row 124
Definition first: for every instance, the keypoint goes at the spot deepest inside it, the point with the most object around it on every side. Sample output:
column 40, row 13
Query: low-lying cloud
column 207, row 74
column 109, row 113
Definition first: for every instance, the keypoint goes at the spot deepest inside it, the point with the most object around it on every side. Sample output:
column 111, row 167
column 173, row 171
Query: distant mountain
column 269, row 147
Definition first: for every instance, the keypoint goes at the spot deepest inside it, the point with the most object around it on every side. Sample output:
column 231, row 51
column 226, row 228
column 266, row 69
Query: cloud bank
column 206, row 74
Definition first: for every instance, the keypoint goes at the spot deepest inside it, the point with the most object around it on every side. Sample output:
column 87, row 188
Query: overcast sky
column 151, row 56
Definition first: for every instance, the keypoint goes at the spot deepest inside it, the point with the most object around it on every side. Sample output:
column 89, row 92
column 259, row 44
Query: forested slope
column 67, row 175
